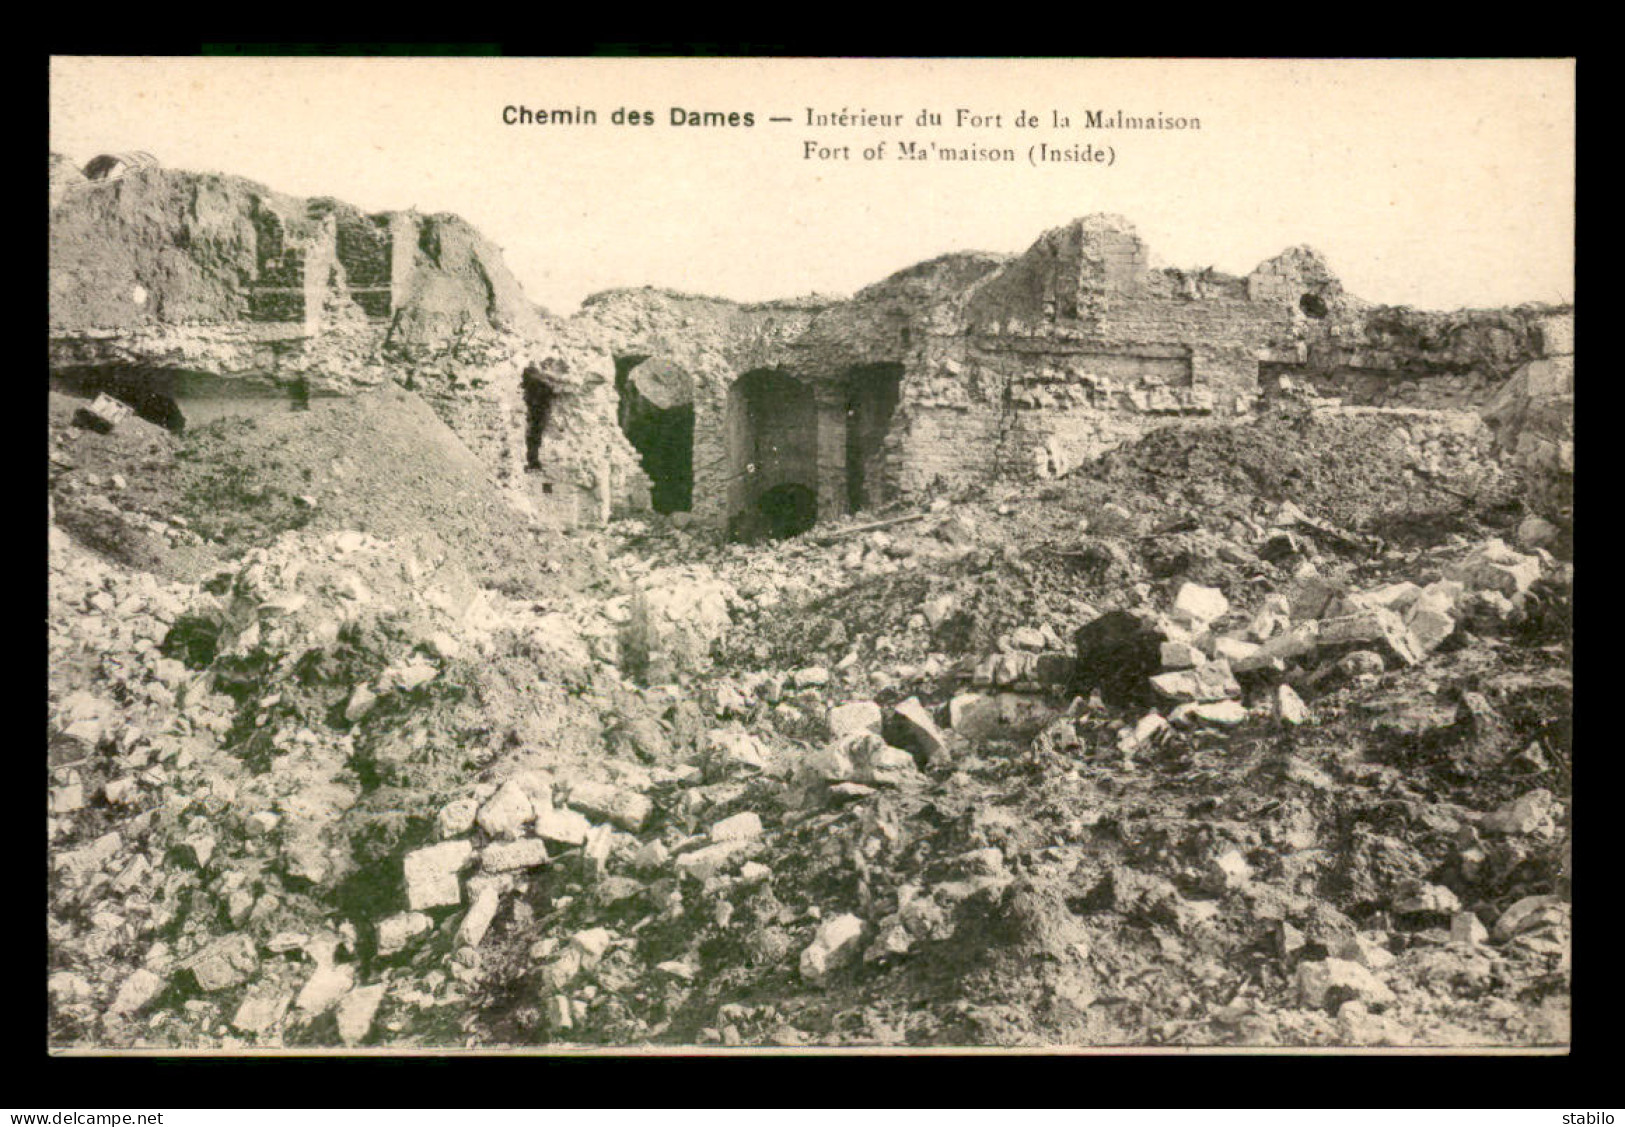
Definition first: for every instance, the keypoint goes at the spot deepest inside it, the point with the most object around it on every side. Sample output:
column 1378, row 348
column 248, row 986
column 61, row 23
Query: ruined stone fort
column 194, row 296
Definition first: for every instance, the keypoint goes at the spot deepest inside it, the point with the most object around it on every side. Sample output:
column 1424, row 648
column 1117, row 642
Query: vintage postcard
column 754, row 556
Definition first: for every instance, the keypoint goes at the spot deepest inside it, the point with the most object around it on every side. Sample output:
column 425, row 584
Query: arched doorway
column 178, row 398
column 771, row 428
column 657, row 417
column 872, row 394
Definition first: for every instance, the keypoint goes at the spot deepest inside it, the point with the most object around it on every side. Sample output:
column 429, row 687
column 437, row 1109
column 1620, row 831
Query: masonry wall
column 1028, row 400
column 1405, row 358
column 1025, row 367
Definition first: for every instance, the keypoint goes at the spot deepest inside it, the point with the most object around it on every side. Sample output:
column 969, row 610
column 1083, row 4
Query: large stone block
column 1379, row 630
column 1211, row 682
column 431, row 874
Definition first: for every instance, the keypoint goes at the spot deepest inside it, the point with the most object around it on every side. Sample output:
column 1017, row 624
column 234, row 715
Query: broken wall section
column 1532, row 415
column 155, row 247
column 220, row 279
column 713, row 343
column 586, row 471
column 1382, row 356
column 1080, row 345
column 656, row 413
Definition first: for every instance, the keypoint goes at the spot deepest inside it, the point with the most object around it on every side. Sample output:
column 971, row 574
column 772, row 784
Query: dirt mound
column 1394, row 475
column 381, row 463
column 117, row 494
column 159, row 245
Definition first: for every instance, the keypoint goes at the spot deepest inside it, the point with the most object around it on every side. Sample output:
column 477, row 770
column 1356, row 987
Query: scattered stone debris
column 1254, row 732
column 103, row 414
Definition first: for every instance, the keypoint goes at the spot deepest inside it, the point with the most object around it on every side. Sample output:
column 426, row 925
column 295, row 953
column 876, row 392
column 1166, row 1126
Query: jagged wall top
column 162, row 247
column 1064, row 274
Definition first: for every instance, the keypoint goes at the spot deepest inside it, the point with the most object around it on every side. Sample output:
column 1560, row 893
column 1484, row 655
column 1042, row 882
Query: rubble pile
column 1020, row 770
column 1144, row 657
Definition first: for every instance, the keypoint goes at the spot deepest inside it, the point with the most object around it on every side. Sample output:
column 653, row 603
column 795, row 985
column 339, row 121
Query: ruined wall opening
column 539, row 396
column 783, row 511
column 1313, row 305
column 176, row 398
column 656, row 414
column 872, row 394
column 111, row 166
column 771, row 429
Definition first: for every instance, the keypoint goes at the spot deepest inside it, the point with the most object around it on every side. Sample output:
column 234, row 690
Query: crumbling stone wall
column 1006, row 367
column 164, row 271
column 955, row 372
column 1391, row 357
column 714, row 342
column 1532, row 415
column 1078, row 345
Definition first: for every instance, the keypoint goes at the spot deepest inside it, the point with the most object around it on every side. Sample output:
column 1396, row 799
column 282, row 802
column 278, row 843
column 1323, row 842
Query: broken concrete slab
column 395, row 932
column 977, row 717
column 740, row 827
column 262, row 1007
column 432, row 874
column 1377, row 629
column 561, row 826
column 356, row 1012
column 1201, row 604
column 731, row 749
column 1234, row 649
column 228, row 961
column 836, row 943
column 509, row 856
column 1429, row 629
column 627, row 809
column 1335, row 981
column 1465, row 927
column 456, row 818
column 103, row 414
column 1530, row 913
column 506, row 812
column 1428, row 899
column 136, row 992
column 1397, row 597
column 1297, row 642
column 855, row 716
column 1496, row 567
column 1181, row 655
column 1310, row 597
column 471, row 932
column 911, row 727
column 1211, row 682
column 1222, row 713
column 323, row 989
column 708, row 861
column 1289, row 706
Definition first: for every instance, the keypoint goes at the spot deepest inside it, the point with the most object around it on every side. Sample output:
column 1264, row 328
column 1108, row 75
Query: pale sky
column 1439, row 184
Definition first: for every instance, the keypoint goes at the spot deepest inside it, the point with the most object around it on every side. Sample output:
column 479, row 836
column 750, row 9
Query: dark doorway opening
column 539, row 397
column 786, row 510
column 175, row 398
column 872, row 394
column 771, row 426
column 657, row 416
